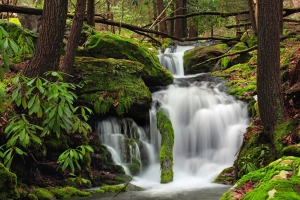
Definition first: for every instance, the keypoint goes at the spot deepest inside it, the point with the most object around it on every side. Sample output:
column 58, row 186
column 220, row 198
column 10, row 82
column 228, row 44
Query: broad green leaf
column 4, row 31
column 31, row 101
column 1, row 105
column 14, row 46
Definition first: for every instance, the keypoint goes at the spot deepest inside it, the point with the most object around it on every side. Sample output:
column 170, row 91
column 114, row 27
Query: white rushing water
column 208, row 125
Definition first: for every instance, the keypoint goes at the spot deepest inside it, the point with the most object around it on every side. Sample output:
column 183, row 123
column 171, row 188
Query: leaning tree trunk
column 90, row 17
column 252, row 16
column 74, row 37
column 49, row 45
column 269, row 90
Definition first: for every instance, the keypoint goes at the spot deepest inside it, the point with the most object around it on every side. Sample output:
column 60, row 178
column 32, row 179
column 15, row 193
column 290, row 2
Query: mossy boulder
column 113, row 86
column 112, row 46
column 43, row 194
column 279, row 180
column 229, row 61
column 8, row 184
column 201, row 54
column 134, row 167
column 67, row 192
column 165, row 128
column 249, row 38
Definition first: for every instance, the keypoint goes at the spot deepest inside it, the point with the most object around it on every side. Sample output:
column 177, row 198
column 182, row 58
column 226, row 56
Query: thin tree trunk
column 49, row 45
column 75, row 32
column 252, row 16
column 90, row 18
column 161, row 12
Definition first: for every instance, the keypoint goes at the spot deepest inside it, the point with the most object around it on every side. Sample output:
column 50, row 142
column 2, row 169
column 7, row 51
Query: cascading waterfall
column 208, row 125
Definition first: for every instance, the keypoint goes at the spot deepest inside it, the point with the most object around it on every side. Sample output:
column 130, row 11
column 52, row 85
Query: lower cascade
column 208, row 126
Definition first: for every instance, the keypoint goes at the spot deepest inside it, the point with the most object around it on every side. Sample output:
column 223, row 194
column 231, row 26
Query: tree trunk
column 90, row 18
column 269, row 90
column 160, row 9
column 193, row 28
column 172, row 22
column 75, row 33
column 179, row 24
column 49, row 45
column 252, row 16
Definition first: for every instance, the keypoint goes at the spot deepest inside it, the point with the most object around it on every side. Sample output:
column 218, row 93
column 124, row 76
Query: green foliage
column 70, row 157
column 43, row 194
column 52, row 102
column 49, row 107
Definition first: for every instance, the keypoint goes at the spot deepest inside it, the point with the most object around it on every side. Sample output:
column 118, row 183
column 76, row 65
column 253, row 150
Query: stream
column 208, row 126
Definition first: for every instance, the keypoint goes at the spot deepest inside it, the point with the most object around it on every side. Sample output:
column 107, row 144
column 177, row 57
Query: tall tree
column 90, row 16
column 74, row 37
column 49, row 45
column 180, row 23
column 270, row 96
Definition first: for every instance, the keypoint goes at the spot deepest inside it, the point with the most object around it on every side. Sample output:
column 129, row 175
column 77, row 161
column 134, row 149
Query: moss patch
column 113, row 86
column 67, row 192
column 113, row 46
column 167, row 143
column 8, row 184
column 201, row 54
column 279, row 180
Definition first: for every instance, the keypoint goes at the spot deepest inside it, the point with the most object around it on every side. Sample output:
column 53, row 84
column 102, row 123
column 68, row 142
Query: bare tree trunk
column 90, row 18
column 75, row 32
column 269, row 90
column 49, row 45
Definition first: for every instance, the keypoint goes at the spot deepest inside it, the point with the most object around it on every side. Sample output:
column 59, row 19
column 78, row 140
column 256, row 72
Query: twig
column 123, row 187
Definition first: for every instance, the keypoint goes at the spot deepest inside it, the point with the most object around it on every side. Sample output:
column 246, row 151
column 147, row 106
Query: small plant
column 247, row 165
column 70, row 157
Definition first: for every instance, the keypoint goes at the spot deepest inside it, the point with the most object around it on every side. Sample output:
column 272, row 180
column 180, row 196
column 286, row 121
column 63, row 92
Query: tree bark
column 179, row 24
column 49, row 45
column 160, row 9
column 90, row 17
column 75, row 33
column 269, row 90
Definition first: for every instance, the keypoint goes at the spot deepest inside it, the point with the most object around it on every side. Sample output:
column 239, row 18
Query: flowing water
column 208, row 125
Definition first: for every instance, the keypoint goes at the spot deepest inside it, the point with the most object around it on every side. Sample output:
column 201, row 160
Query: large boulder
column 201, row 54
column 113, row 46
column 113, row 86
column 279, row 180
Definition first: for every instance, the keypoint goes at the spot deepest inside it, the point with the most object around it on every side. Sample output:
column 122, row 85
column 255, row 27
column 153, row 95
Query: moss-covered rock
column 279, row 180
column 43, row 194
column 226, row 176
column 8, row 184
column 67, row 192
column 229, row 61
column 113, row 86
column 134, row 167
column 113, row 46
column 201, row 54
column 249, row 38
column 165, row 128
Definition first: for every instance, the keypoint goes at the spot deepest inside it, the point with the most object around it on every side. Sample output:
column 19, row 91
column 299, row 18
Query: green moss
column 292, row 150
column 200, row 54
column 43, row 194
column 279, row 180
column 134, row 167
column 113, row 188
column 229, row 61
column 54, row 144
column 8, row 184
column 282, row 130
column 113, row 86
column 113, row 46
column 68, row 192
column 167, row 143
column 226, row 176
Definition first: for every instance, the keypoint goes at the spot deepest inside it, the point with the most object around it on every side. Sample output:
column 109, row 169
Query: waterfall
column 208, row 125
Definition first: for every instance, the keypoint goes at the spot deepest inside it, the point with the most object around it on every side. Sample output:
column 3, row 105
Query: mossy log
column 167, row 143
